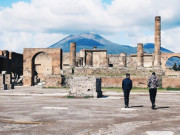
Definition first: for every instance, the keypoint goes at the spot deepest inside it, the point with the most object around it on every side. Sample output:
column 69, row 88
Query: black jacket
column 127, row 84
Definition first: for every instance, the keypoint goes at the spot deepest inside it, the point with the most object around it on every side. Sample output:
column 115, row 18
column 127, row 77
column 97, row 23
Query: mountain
column 89, row 40
column 149, row 48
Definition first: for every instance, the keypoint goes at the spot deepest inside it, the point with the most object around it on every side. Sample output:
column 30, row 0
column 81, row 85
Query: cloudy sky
column 40, row 23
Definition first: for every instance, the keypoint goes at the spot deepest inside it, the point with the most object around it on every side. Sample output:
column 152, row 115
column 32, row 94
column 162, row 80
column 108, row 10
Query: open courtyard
column 36, row 111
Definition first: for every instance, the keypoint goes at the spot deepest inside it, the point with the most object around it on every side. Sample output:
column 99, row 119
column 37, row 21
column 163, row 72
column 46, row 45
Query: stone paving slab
column 51, row 114
column 160, row 133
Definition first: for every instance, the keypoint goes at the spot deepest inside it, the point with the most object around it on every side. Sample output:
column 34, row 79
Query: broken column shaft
column 72, row 54
column 123, row 59
column 89, row 59
column 140, row 53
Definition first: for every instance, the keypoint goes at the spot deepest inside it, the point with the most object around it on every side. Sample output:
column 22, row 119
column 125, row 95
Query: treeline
column 175, row 67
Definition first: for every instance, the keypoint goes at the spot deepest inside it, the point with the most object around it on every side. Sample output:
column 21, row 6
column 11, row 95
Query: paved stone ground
column 34, row 111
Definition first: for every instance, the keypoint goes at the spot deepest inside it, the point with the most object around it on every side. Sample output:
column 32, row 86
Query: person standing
column 153, row 83
column 126, row 86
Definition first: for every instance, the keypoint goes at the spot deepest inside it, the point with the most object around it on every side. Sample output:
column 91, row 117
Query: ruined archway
column 165, row 57
column 173, row 63
column 41, row 66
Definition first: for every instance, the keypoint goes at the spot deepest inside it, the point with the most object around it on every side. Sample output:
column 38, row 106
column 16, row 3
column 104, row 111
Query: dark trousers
column 126, row 97
column 152, row 93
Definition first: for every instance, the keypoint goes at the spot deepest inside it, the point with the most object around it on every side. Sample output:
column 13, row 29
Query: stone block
column 85, row 86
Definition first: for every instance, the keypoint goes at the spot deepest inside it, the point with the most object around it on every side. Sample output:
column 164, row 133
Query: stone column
column 82, row 54
column 88, row 58
column 123, row 59
column 140, row 54
column 157, row 44
column 72, row 54
column 80, row 61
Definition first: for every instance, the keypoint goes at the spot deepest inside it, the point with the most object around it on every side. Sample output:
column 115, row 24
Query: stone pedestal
column 86, row 86
column 5, row 81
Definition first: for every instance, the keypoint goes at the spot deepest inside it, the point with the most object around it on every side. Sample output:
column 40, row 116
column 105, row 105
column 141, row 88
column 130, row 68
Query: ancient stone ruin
column 84, row 86
column 53, row 68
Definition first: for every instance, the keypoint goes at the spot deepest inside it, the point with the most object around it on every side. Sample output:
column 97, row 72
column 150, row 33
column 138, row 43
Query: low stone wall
column 117, row 81
column 144, row 72
column 85, row 86
column 53, row 81
column 172, row 82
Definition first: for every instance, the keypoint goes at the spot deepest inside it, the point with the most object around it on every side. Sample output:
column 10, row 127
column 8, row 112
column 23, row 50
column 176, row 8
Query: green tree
column 174, row 67
column 178, row 69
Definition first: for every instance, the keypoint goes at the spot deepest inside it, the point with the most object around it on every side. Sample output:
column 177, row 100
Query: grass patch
column 63, row 87
column 86, row 97
column 70, row 96
column 172, row 89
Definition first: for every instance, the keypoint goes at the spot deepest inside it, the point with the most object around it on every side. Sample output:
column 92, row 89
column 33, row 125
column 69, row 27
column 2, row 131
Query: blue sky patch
column 8, row 3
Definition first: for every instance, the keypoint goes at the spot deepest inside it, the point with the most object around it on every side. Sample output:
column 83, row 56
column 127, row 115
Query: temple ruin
column 54, row 68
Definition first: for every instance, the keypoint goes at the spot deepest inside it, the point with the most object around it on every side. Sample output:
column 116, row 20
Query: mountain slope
column 89, row 40
column 149, row 48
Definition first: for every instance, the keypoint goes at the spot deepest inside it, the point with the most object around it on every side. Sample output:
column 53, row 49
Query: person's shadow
column 163, row 107
column 137, row 106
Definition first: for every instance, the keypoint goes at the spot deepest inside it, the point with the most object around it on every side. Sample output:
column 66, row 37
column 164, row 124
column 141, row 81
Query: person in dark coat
column 153, row 83
column 127, row 86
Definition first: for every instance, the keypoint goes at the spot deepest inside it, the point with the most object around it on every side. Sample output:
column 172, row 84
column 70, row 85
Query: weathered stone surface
column 157, row 44
column 165, row 57
column 88, row 58
column 7, row 81
column 29, row 56
column 94, row 57
column 140, row 54
column 172, row 82
column 72, row 54
column 123, row 57
column 85, row 86
column 117, row 81
column 53, row 81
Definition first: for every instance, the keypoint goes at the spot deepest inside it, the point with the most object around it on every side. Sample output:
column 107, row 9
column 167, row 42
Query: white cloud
column 43, row 22
column 16, row 41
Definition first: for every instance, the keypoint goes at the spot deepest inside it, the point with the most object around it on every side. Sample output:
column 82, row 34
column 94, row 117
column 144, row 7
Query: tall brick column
column 140, row 53
column 73, row 54
column 123, row 59
column 157, row 44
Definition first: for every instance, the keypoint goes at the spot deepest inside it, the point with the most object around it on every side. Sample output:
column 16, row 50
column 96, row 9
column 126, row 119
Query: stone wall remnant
column 94, row 57
column 85, row 86
column 34, row 68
